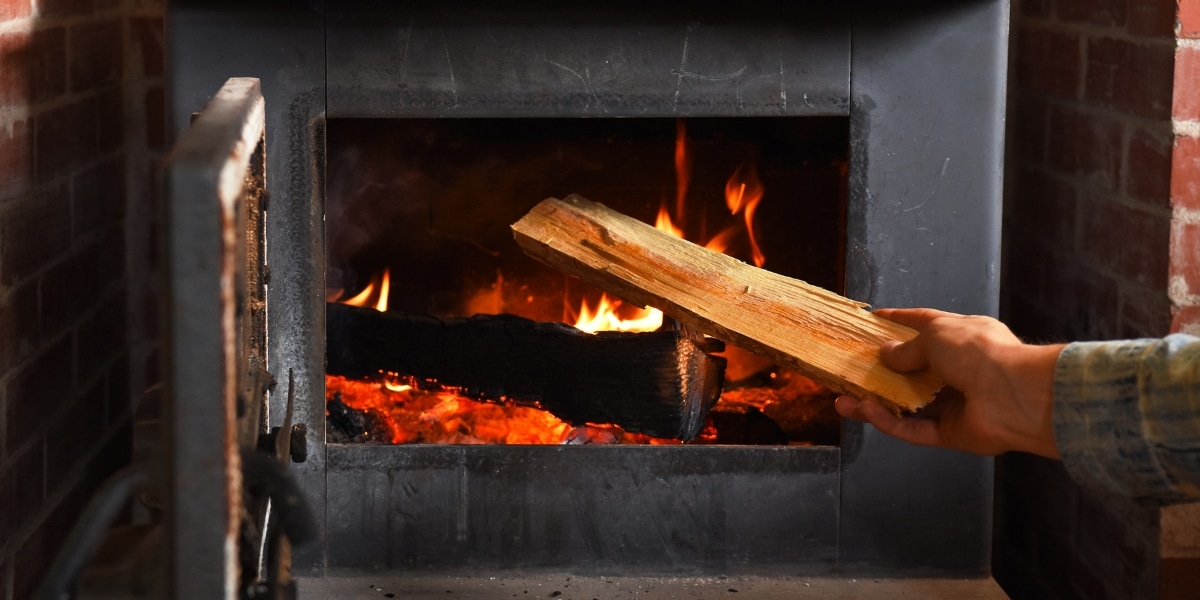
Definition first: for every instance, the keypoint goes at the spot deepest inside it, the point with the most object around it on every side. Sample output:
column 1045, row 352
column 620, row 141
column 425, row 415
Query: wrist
column 1030, row 372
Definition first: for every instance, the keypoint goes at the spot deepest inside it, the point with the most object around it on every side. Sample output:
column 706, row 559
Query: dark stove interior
column 432, row 199
column 429, row 201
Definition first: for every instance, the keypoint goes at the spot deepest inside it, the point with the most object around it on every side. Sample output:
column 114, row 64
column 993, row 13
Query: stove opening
column 417, row 218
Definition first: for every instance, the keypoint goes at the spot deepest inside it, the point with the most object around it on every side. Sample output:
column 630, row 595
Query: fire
column 683, row 169
column 369, row 297
column 743, row 193
column 401, row 412
column 663, row 222
column 605, row 318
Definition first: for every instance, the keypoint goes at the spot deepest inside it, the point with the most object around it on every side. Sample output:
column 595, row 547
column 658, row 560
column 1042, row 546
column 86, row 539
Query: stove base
column 476, row 586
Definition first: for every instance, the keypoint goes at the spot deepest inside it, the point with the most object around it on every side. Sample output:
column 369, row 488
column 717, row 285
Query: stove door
column 216, row 332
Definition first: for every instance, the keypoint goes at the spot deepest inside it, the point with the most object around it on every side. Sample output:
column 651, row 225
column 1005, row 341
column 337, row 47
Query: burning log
column 817, row 333
column 661, row 383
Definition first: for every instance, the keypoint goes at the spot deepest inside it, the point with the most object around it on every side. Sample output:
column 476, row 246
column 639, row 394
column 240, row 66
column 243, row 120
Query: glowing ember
column 444, row 416
column 370, row 297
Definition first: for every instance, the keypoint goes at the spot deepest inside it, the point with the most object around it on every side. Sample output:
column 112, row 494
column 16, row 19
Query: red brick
column 148, row 31
column 1088, row 300
column 156, row 119
column 32, row 66
column 1043, row 207
column 33, row 232
column 37, row 391
column 1186, row 101
column 47, row 64
column 74, row 434
column 1153, row 18
column 21, row 490
column 1105, row 13
column 1133, row 243
column 96, row 54
column 1185, row 254
column 1187, row 319
column 1145, row 314
column 110, row 120
column 1189, row 18
column 66, row 138
column 16, row 159
column 1149, row 168
column 19, row 325
column 1185, row 173
column 98, row 197
column 102, row 338
column 1085, row 144
column 64, row 8
column 72, row 287
column 1049, row 62
column 14, row 70
column 1131, row 77
column 14, row 9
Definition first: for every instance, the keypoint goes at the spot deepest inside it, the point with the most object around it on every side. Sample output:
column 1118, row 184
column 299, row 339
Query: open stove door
column 218, row 485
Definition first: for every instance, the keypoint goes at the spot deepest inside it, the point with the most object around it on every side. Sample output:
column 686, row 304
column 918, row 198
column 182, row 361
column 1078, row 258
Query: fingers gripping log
column 822, row 335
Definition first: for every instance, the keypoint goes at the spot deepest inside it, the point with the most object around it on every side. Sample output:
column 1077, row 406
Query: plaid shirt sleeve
column 1127, row 417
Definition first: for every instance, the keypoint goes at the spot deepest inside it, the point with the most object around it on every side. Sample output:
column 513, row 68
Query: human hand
column 1000, row 393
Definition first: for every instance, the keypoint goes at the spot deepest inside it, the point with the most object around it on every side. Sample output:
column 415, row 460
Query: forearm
column 1127, row 416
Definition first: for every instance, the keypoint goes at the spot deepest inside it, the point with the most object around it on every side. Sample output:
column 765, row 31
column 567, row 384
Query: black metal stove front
column 922, row 90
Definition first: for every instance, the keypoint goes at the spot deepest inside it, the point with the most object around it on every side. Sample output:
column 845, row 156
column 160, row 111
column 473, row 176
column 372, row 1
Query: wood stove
column 920, row 93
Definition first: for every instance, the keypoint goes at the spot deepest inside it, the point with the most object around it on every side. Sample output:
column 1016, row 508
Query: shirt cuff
column 1099, row 425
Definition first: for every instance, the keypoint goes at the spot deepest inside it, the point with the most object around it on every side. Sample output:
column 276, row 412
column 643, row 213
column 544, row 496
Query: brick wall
column 1099, row 244
column 80, row 128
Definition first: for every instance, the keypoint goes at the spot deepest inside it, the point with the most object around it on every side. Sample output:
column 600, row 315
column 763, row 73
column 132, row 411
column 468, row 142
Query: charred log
column 661, row 383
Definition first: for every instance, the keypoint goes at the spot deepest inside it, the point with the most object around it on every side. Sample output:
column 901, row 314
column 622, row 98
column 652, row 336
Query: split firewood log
column 822, row 335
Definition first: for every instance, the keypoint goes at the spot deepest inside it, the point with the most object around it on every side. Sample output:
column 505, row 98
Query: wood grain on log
column 820, row 334
column 660, row 383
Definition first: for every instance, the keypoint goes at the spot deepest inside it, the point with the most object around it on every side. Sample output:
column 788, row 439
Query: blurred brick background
column 1101, row 242
column 81, row 128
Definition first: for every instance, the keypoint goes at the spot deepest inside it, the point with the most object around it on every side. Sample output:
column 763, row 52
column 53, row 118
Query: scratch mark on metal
column 936, row 187
column 691, row 75
column 585, row 79
column 782, row 83
column 404, row 51
column 463, row 505
column 682, row 69
column 571, row 71
column 453, row 83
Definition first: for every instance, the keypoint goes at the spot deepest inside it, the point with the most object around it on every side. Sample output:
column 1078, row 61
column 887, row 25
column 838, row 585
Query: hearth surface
column 568, row 587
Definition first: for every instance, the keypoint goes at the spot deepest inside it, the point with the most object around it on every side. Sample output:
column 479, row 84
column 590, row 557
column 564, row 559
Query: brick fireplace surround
column 1102, row 240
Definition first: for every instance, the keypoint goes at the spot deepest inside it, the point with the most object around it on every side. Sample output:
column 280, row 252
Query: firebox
column 876, row 130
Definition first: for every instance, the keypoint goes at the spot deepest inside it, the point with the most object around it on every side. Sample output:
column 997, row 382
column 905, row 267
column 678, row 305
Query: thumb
column 904, row 357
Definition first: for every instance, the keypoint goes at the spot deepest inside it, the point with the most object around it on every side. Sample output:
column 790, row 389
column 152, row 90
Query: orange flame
column 663, row 223
column 369, row 297
column 605, row 318
column 683, row 167
column 743, row 193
